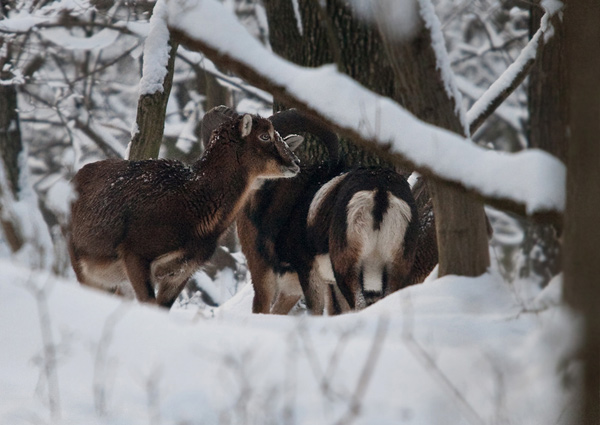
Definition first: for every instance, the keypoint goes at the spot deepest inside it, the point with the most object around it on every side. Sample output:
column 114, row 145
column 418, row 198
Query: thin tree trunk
column 11, row 147
column 582, row 227
column 547, row 131
column 151, row 113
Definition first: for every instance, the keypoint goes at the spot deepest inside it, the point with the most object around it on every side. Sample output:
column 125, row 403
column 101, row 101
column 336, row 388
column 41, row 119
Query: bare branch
column 365, row 374
column 421, row 355
column 105, row 147
column 506, row 84
column 49, row 355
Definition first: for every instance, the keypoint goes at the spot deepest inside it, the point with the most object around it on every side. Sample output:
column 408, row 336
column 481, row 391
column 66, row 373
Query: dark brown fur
column 155, row 222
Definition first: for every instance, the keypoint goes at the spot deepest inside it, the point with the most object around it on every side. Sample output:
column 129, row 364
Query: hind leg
column 399, row 273
column 138, row 272
column 265, row 286
column 289, row 293
column 345, row 262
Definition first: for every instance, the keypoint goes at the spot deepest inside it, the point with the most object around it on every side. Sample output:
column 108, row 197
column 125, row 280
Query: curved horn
column 293, row 121
column 214, row 118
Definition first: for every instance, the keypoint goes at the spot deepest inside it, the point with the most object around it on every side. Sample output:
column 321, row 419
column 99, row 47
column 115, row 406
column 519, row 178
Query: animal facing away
column 288, row 257
column 362, row 227
column 144, row 227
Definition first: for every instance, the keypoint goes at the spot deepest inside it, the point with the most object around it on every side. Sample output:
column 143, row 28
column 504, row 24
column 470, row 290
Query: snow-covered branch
column 507, row 82
column 529, row 182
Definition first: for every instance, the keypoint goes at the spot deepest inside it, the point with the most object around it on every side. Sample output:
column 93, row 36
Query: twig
column 48, row 350
column 365, row 374
column 429, row 364
column 108, row 150
column 507, row 83
column 101, row 359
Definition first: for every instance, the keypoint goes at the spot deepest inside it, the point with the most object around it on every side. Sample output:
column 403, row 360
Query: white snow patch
column 438, row 43
column 552, row 6
column 506, row 79
column 21, row 23
column 448, row 345
column 156, row 52
column 398, row 20
column 298, row 16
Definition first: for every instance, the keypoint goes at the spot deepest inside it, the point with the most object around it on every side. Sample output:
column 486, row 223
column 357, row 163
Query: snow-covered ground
column 449, row 351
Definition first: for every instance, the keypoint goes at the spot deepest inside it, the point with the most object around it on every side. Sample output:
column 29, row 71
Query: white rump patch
column 378, row 247
column 321, row 194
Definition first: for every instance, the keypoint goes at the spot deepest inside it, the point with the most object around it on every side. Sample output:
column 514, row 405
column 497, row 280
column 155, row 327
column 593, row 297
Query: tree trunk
column 547, row 131
column 151, row 113
column 330, row 35
column 11, row 147
column 582, row 228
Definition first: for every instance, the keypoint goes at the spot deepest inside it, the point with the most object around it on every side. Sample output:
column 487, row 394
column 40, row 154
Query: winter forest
column 457, row 139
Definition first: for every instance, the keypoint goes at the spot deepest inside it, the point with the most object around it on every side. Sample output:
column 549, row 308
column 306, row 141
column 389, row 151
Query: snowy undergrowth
column 452, row 350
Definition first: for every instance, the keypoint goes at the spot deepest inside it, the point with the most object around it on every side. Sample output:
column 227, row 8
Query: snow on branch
column 529, row 182
column 509, row 80
column 156, row 52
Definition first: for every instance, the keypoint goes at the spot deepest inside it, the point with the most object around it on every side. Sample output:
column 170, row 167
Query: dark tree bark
column 547, row 103
column 151, row 114
column 582, row 227
column 547, row 131
column 331, row 35
column 11, row 147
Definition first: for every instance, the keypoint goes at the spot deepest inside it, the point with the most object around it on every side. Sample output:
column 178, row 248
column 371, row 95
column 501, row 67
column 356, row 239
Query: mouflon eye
column 265, row 137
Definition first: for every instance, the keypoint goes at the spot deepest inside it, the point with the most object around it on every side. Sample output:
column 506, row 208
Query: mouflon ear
column 293, row 141
column 246, row 125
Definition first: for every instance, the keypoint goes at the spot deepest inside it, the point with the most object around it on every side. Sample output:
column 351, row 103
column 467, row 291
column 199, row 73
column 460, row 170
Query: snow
column 156, row 52
column 21, row 23
column 552, row 6
column 25, row 20
column 533, row 178
column 23, row 210
column 438, row 43
column 397, row 20
column 512, row 115
column 298, row 16
column 449, row 350
column 506, row 79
